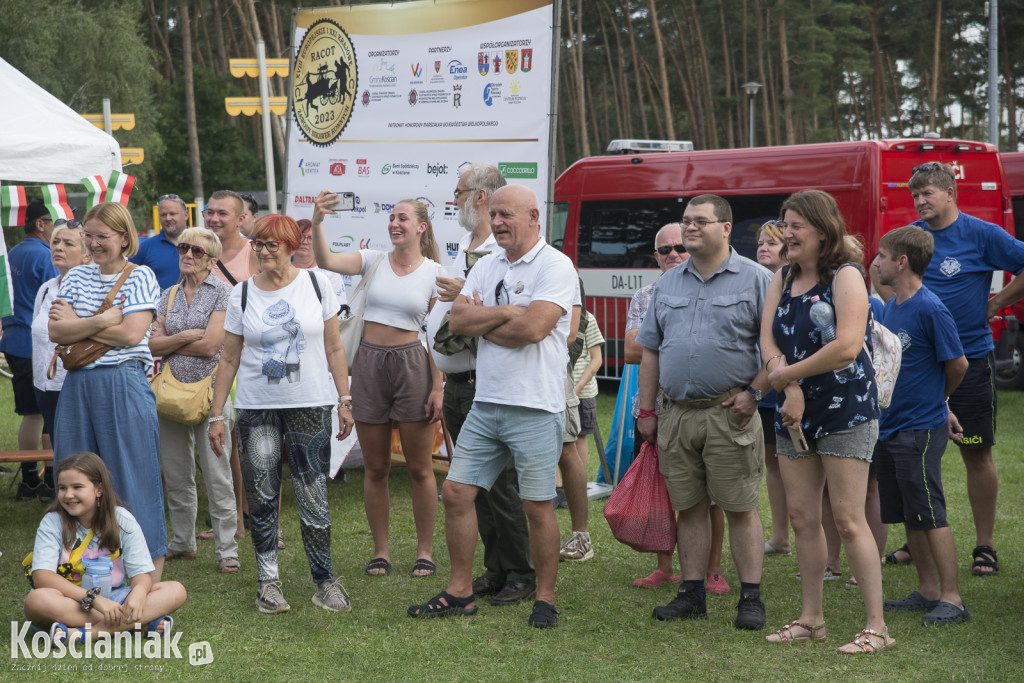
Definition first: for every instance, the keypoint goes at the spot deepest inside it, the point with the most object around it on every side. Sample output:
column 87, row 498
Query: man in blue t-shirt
column 914, row 430
column 160, row 253
column 30, row 268
column 967, row 252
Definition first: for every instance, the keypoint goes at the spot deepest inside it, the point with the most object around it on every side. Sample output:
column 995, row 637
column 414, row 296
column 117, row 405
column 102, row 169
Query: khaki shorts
column 390, row 383
column 572, row 424
column 704, row 452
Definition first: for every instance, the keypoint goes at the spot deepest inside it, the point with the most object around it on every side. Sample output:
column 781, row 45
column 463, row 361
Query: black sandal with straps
column 985, row 557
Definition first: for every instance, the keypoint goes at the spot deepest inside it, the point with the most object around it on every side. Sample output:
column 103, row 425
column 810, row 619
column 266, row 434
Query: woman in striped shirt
column 107, row 406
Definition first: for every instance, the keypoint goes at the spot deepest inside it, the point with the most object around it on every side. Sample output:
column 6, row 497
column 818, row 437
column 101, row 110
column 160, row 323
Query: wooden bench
column 26, row 456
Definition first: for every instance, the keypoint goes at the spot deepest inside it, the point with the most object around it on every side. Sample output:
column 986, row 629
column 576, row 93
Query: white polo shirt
column 531, row 376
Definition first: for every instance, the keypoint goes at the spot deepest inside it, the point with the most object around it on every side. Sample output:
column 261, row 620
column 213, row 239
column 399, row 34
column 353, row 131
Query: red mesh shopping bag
column 639, row 511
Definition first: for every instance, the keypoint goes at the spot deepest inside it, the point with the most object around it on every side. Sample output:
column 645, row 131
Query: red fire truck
column 608, row 208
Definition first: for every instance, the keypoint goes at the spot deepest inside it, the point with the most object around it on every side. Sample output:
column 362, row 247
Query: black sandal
column 981, row 560
column 890, row 557
column 423, row 564
column 544, row 615
column 450, row 605
column 378, row 563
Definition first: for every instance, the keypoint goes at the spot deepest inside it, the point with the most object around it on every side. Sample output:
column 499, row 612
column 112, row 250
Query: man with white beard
column 508, row 572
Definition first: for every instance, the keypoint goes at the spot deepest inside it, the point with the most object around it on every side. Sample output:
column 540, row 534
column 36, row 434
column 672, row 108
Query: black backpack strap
column 245, row 294
column 228, row 275
column 316, row 286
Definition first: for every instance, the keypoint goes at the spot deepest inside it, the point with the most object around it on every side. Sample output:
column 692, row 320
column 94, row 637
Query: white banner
column 391, row 101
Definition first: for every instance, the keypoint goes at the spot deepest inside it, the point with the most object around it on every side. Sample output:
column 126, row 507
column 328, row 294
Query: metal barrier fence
column 610, row 313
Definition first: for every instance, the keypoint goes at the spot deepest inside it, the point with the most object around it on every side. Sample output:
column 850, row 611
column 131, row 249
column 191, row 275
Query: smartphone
column 796, row 435
column 346, row 201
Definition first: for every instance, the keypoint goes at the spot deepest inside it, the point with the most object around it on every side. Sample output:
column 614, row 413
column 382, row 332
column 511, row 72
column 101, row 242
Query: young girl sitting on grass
column 86, row 521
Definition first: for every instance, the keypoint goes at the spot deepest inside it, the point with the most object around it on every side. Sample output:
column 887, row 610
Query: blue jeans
column 111, row 411
column 494, row 433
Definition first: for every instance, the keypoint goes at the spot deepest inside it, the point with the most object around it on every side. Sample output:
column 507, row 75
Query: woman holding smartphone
column 813, row 335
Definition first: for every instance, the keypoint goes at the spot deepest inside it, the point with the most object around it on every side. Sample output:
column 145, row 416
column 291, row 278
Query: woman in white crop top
column 394, row 380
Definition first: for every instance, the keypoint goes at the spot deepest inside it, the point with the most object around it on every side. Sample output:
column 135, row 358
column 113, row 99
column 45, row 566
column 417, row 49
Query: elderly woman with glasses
column 67, row 250
column 283, row 343
column 189, row 334
column 394, row 379
column 107, row 407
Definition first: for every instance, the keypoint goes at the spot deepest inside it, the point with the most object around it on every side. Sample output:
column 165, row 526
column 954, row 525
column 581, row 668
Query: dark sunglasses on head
column 666, row 249
column 931, row 166
column 63, row 222
column 197, row 251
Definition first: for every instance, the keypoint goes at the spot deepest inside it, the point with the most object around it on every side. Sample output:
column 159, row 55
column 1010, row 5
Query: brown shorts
column 390, row 383
column 705, row 452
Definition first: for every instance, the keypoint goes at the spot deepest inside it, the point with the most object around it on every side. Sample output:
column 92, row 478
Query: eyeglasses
column 667, row 249
column 89, row 237
column 307, row 239
column 248, row 198
column 63, row 222
column 700, row 222
column 197, row 251
column 272, row 247
column 458, row 192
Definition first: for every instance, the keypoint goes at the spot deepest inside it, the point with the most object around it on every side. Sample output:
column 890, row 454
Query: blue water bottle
column 97, row 573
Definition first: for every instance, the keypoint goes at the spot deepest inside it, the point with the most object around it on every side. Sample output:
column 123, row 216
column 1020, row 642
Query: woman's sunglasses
column 197, row 251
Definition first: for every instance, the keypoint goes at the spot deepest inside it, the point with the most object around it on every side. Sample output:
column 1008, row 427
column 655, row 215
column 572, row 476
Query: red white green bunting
column 119, row 187
column 12, row 208
column 56, row 201
column 96, row 188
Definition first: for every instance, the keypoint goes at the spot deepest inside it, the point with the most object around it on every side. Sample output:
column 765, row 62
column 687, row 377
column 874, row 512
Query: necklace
column 396, row 262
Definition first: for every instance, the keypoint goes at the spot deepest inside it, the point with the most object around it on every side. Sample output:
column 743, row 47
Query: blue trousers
column 111, row 411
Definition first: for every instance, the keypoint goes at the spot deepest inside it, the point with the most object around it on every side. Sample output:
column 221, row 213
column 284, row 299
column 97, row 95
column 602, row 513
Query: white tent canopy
column 45, row 141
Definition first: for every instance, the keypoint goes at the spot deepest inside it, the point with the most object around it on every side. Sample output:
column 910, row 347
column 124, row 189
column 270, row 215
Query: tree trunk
column 218, row 30
column 659, row 47
column 579, row 78
column 686, row 84
column 160, row 29
column 768, row 100
column 625, row 101
column 1008, row 81
column 787, row 89
column 614, row 74
column 933, row 90
column 636, row 67
column 190, row 101
column 727, row 77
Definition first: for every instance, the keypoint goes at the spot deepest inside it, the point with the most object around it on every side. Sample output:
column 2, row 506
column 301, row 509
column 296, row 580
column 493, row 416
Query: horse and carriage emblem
column 325, row 78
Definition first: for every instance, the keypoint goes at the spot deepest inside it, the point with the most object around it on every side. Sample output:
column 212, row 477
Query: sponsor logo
column 342, row 244
column 904, row 339
column 417, row 70
column 362, row 169
column 492, row 92
column 437, row 66
column 384, row 170
column 338, row 166
column 413, row 96
column 527, row 60
column 359, row 206
column 452, row 248
column 483, row 63
column 366, row 98
column 383, row 73
column 518, row 169
column 950, row 267
column 325, row 78
column 457, row 70
column 456, row 95
column 399, row 169
column 380, row 208
column 310, row 167
column 304, row 199
column 497, row 63
column 429, row 204
column 437, row 170
column 514, row 87
column 511, row 61
column 463, row 167
column 451, row 209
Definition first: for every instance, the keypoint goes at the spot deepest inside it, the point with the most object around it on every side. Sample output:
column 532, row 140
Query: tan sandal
column 786, row 635
column 863, row 643
column 228, row 565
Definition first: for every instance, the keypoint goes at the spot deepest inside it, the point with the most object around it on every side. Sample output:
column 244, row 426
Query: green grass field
column 606, row 631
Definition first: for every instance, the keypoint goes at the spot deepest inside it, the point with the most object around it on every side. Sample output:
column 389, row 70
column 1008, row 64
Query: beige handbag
column 187, row 403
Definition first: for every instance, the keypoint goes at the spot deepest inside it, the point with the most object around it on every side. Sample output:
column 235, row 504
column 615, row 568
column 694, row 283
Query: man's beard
column 468, row 216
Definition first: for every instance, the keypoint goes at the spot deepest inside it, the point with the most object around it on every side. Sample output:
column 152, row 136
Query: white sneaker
column 329, row 595
column 270, row 599
column 577, row 548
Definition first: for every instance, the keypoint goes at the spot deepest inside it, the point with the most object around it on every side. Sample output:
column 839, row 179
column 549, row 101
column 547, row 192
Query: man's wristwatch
column 758, row 395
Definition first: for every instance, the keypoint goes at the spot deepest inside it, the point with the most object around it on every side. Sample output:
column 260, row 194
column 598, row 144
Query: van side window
column 559, row 218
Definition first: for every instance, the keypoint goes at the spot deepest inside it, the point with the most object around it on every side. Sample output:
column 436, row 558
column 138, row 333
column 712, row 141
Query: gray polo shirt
column 706, row 333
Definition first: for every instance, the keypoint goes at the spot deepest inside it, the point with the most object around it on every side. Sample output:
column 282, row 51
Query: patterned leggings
column 307, row 434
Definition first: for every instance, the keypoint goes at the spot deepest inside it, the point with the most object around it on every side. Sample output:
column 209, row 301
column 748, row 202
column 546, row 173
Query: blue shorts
column 910, row 478
column 494, row 433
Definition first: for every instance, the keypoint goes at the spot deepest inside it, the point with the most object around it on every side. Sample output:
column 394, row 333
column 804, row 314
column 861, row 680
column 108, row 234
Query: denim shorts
column 493, row 433
column 857, row 442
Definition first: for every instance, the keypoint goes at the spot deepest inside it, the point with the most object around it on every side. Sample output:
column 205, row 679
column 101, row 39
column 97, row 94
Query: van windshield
column 620, row 233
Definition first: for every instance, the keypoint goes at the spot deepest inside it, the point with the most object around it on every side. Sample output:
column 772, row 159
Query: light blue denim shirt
column 706, row 332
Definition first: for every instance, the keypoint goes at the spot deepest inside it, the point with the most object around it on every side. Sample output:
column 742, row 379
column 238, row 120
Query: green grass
column 605, row 632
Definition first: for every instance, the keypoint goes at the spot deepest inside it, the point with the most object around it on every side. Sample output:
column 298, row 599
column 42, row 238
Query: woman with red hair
column 282, row 341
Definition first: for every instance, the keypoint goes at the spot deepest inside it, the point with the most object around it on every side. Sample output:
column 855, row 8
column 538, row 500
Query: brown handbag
column 79, row 354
